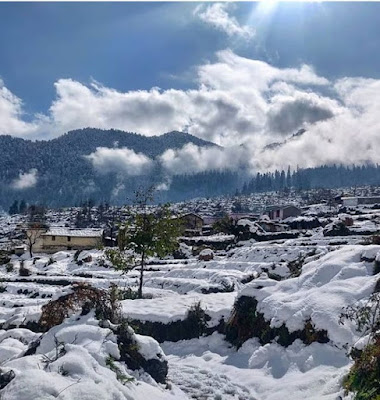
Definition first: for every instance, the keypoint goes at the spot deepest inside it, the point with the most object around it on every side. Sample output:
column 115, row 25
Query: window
column 69, row 238
column 53, row 238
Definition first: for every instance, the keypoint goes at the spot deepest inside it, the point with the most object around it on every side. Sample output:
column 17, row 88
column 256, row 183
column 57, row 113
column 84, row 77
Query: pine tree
column 14, row 208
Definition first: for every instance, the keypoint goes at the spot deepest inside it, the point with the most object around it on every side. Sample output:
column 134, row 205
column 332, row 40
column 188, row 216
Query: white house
column 356, row 201
column 59, row 238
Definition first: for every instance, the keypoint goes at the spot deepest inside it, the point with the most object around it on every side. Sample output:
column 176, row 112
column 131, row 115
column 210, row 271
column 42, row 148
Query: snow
column 325, row 286
column 176, row 307
column 88, row 232
column 206, row 252
column 80, row 371
column 268, row 372
column 253, row 226
column 149, row 348
column 211, row 238
column 336, row 272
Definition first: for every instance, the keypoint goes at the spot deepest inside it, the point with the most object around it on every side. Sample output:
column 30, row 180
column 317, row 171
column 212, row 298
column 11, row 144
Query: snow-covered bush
column 82, row 299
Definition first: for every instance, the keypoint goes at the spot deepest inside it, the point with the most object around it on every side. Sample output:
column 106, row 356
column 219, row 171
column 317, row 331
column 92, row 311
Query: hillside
column 66, row 177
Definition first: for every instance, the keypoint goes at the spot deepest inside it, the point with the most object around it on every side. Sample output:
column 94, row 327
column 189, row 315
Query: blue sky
column 131, row 46
column 237, row 74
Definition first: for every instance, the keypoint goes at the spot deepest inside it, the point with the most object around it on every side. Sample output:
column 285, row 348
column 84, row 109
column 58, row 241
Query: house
column 249, row 216
column 19, row 250
column 269, row 225
column 192, row 224
column 357, row 201
column 59, row 238
column 282, row 212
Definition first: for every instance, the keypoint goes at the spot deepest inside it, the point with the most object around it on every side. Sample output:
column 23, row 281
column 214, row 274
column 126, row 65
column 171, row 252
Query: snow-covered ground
column 294, row 281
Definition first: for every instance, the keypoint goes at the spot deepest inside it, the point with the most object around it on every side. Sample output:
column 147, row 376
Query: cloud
column 193, row 159
column 124, row 161
column 228, row 106
column 26, row 180
column 235, row 101
column 217, row 16
column 291, row 114
column 11, row 115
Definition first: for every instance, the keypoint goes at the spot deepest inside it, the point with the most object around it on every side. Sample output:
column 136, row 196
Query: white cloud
column 11, row 115
column 229, row 106
column 26, row 180
column 124, row 161
column 218, row 17
column 194, row 159
column 236, row 101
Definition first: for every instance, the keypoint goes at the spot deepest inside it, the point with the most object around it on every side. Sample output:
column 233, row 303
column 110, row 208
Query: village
column 292, row 262
column 202, row 220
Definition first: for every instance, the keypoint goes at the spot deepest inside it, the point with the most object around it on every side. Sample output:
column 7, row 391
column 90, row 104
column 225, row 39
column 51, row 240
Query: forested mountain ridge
column 66, row 177
column 19, row 155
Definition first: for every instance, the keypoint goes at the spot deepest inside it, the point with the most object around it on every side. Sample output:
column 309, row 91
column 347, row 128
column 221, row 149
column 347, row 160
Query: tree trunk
column 139, row 293
column 30, row 251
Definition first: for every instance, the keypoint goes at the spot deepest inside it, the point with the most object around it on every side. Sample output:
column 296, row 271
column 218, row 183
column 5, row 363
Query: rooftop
column 278, row 207
column 87, row 232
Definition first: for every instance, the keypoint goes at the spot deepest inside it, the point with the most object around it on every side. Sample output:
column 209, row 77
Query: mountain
column 66, row 177
column 276, row 145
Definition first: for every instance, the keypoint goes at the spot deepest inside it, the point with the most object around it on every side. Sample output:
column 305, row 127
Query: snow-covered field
column 295, row 282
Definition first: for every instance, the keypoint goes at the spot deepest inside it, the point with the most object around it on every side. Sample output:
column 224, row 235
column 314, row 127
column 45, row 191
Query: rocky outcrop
column 245, row 323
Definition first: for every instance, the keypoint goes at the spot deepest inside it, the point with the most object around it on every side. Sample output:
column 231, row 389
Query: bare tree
column 33, row 233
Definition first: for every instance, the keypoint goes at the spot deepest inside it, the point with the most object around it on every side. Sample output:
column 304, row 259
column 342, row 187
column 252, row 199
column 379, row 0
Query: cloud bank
column 236, row 101
column 217, row 16
column 26, row 180
column 125, row 161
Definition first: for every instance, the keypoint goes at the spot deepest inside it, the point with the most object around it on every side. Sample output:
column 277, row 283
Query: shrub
column 9, row 267
column 23, row 271
column 76, row 255
column 198, row 318
column 246, row 322
column 83, row 298
column 363, row 378
column 110, row 362
column 376, row 267
column 51, row 261
column 193, row 326
column 157, row 368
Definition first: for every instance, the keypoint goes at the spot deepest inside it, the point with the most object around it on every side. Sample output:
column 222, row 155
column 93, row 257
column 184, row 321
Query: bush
column 376, row 267
column 9, row 267
column 110, row 362
column 157, row 368
column 246, row 322
column 363, row 378
column 51, row 261
column 23, row 271
column 83, row 298
column 193, row 326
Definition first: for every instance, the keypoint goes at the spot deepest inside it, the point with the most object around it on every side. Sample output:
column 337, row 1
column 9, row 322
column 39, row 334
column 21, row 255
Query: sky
column 242, row 75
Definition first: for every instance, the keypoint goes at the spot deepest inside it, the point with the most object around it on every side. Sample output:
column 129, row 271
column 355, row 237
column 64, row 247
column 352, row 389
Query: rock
column 5, row 378
column 132, row 353
column 337, row 228
column 206, row 255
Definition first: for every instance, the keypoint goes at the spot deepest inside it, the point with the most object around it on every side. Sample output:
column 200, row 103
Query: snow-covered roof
column 280, row 207
column 361, row 197
column 87, row 232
